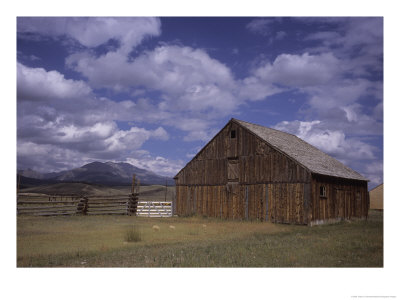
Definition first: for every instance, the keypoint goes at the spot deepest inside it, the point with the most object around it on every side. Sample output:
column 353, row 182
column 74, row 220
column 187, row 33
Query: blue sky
column 153, row 91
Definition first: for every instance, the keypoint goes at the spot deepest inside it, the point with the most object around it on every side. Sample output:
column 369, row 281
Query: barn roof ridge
column 254, row 124
column 315, row 160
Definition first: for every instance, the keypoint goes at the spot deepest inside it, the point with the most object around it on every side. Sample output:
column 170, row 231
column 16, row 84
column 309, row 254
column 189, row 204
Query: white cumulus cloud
column 39, row 84
column 157, row 164
column 300, row 70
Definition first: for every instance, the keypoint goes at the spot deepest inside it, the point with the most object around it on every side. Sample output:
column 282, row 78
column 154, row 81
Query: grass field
column 101, row 241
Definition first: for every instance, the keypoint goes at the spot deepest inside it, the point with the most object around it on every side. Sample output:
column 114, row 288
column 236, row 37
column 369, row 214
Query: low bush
column 133, row 234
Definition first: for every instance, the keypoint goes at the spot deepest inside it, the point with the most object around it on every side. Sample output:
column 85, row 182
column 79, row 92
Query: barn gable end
column 251, row 172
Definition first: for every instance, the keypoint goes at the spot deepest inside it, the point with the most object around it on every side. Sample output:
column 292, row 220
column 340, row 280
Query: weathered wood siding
column 240, row 176
column 279, row 202
column 243, row 178
column 345, row 199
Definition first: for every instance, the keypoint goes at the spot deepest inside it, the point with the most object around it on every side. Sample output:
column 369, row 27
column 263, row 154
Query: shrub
column 133, row 234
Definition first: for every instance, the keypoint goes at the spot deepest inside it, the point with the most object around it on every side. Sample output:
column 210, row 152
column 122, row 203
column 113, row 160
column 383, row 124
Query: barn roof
column 307, row 155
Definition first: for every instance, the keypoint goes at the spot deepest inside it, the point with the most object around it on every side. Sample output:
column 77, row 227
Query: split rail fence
column 52, row 205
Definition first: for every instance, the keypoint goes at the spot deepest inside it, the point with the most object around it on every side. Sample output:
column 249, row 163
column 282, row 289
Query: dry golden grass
column 100, row 241
column 55, row 235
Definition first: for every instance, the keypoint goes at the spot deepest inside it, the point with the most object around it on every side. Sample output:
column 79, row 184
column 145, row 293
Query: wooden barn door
column 233, row 170
column 343, row 201
column 340, row 202
column 347, row 200
column 233, row 188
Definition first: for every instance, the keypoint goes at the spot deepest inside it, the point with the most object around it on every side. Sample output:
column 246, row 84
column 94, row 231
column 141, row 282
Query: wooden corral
column 54, row 205
column 376, row 197
column 249, row 171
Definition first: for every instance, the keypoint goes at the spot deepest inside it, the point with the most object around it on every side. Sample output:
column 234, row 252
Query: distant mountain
column 108, row 173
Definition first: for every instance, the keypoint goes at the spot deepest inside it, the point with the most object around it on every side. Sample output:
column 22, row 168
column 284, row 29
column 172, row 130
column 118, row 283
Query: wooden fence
column 52, row 205
column 154, row 209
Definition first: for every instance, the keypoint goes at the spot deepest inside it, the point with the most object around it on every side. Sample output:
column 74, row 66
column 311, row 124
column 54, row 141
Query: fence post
column 133, row 184
column 133, row 197
column 132, row 204
column 82, row 206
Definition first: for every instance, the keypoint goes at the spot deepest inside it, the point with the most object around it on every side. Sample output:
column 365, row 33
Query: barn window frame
column 233, row 134
column 322, row 191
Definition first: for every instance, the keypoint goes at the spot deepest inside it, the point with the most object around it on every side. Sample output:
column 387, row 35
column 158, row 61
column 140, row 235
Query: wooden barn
column 376, row 197
column 249, row 171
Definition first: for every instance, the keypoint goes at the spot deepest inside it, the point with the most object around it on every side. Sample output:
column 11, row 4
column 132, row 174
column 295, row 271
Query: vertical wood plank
column 275, row 217
column 247, row 202
column 266, row 203
column 306, row 201
column 252, row 203
column 290, row 202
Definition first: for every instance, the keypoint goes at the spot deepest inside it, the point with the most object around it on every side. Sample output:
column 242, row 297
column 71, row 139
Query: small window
column 233, row 134
column 322, row 191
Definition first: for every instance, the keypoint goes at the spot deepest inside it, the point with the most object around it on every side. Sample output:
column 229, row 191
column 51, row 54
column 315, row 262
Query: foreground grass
column 100, row 241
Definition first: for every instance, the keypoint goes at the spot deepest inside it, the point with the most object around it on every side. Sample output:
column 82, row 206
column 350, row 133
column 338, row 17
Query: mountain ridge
column 107, row 173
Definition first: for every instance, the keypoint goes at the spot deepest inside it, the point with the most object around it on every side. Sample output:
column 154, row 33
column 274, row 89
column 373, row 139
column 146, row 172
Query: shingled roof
column 313, row 159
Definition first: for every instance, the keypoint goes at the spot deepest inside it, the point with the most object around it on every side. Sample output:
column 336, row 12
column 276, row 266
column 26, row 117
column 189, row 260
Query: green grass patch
column 124, row 241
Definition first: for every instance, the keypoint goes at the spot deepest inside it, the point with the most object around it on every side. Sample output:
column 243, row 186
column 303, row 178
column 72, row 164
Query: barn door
column 343, row 201
column 266, row 203
column 232, row 188
column 348, row 208
column 233, row 199
column 233, row 170
column 340, row 202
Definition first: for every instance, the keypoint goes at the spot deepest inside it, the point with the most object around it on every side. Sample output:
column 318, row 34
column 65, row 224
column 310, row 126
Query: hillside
column 78, row 188
column 108, row 173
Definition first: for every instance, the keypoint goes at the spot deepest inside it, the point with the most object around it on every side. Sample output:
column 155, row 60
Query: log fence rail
column 44, row 205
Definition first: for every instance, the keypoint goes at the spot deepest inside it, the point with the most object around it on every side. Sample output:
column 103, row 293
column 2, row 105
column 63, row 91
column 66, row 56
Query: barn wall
column 345, row 199
column 273, row 202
